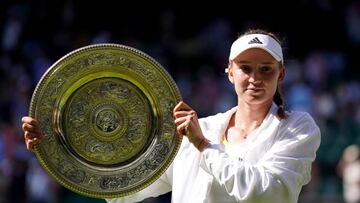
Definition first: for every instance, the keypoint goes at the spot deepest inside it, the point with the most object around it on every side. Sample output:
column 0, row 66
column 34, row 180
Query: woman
column 255, row 152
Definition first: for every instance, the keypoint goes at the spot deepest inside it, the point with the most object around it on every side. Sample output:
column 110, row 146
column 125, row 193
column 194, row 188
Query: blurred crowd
column 321, row 59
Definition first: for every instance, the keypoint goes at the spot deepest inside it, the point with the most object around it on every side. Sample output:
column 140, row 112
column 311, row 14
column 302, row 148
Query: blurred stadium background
column 322, row 46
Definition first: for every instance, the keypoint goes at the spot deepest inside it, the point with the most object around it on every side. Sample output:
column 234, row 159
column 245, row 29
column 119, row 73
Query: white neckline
column 253, row 135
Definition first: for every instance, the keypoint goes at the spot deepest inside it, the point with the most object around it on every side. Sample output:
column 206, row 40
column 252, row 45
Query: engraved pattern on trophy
column 157, row 156
column 114, row 182
column 71, row 172
column 138, row 173
column 46, row 110
column 92, row 180
column 116, row 118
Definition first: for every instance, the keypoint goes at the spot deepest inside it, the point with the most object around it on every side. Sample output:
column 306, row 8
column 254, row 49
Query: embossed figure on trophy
column 104, row 59
column 114, row 182
column 145, row 70
column 59, row 82
column 86, row 62
column 107, row 121
column 100, row 150
column 111, row 60
column 99, row 147
column 138, row 172
column 119, row 60
column 122, row 92
column 157, row 156
column 77, row 114
column 74, row 174
column 91, row 181
column 134, row 136
column 106, row 88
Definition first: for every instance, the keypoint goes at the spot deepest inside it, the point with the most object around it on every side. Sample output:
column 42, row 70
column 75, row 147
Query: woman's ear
column 282, row 74
column 229, row 72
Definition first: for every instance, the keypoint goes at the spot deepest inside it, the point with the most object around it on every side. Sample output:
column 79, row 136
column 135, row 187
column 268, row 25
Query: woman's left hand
column 187, row 124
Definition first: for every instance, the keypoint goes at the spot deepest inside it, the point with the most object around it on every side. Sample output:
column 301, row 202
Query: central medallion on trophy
column 107, row 120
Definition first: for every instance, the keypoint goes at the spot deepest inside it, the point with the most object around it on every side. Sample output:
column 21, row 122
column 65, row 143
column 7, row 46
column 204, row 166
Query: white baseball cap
column 260, row 41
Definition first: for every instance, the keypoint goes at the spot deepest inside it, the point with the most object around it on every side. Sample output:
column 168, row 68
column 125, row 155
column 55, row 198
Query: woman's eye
column 265, row 69
column 245, row 68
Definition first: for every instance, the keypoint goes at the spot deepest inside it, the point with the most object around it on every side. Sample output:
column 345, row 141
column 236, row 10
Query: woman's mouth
column 254, row 90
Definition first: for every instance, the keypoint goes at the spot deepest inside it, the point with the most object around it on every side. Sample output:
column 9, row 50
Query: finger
column 28, row 127
column 31, row 128
column 182, row 106
column 181, row 129
column 32, row 135
column 29, row 120
column 193, row 113
column 179, row 114
column 178, row 106
column 30, row 144
column 180, row 120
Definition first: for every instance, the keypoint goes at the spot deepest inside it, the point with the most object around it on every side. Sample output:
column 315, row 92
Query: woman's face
column 255, row 75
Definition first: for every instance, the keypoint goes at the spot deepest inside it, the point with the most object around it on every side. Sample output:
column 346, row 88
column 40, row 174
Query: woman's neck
column 246, row 119
column 249, row 117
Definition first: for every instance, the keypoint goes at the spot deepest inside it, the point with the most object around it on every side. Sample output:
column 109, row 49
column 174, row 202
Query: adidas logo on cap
column 255, row 41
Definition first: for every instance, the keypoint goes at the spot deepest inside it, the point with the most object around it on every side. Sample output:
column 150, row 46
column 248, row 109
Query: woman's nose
column 253, row 77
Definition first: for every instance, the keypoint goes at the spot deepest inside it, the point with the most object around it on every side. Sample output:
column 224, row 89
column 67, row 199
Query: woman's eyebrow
column 267, row 63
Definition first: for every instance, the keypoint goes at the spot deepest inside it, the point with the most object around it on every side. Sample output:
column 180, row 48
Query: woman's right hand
column 187, row 124
column 32, row 132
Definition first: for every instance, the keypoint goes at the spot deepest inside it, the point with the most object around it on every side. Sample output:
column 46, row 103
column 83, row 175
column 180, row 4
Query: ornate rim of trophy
column 106, row 113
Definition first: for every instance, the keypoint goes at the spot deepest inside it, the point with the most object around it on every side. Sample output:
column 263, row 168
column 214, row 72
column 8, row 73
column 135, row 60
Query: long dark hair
column 278, row 97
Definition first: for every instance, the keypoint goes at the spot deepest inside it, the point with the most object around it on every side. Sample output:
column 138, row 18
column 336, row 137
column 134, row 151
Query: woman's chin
column 255, row 99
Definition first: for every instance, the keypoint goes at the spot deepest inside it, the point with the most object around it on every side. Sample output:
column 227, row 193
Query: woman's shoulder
column 294, row 116
column 299, row 119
